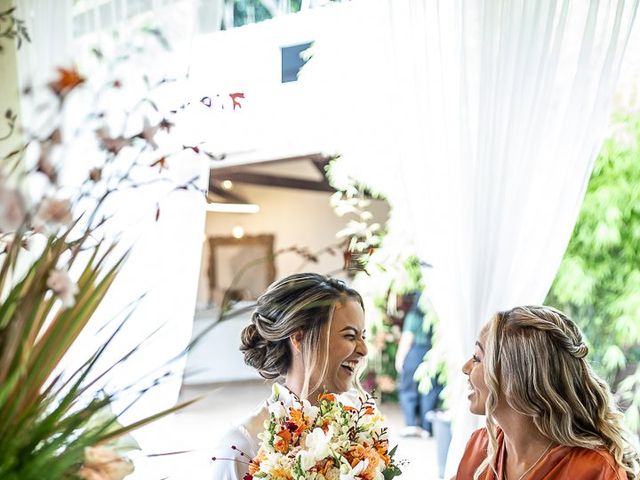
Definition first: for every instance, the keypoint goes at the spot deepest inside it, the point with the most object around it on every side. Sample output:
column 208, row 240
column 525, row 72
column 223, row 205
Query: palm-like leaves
column 45, row 419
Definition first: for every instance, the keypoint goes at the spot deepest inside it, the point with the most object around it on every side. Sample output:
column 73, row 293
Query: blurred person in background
column 414, row 343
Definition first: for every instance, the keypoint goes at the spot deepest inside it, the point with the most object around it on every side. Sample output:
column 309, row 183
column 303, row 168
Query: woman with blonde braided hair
column 548, row 415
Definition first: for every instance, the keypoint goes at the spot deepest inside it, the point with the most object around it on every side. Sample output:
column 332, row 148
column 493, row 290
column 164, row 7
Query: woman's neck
column 295, row 384
column 522, row 439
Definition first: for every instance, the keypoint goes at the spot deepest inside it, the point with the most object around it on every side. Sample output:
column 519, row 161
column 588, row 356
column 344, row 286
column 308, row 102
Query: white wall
column 294, row 217
column 275, row 120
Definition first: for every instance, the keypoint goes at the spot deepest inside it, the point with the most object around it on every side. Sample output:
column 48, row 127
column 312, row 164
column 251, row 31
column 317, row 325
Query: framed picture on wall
column 242, row 267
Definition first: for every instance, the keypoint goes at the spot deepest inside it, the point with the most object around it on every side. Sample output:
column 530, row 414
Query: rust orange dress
column 560, row 463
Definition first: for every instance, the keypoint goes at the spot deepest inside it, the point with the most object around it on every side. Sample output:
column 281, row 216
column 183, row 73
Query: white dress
column 231, row 465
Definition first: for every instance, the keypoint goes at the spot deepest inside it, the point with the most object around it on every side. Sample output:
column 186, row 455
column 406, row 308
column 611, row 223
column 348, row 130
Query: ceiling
column 306, row 172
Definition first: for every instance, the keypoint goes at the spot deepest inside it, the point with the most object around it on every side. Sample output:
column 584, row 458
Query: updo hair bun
column 300, row 303
column 269, row 358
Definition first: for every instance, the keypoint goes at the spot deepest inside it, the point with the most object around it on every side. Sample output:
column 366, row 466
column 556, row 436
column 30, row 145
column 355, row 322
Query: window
column 292, row 62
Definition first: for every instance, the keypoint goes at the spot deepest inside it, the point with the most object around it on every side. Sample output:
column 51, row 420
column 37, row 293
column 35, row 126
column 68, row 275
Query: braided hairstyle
column 535, row 358
column 303, row 302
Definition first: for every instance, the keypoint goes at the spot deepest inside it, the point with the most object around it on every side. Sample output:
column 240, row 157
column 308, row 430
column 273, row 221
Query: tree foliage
column 243, row 12
column 598, row 283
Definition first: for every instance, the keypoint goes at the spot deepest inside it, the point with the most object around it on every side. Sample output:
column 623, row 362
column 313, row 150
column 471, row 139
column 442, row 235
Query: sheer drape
column 480, row 121
column 49, row 47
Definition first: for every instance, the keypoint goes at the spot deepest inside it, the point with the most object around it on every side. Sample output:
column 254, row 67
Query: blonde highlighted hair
column 535, row 360
column 303, row 302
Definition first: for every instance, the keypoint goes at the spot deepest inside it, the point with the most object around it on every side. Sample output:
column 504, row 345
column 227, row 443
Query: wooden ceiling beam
column 321, row 165
column 226, row 194
column 219, row 169
column 262, row 179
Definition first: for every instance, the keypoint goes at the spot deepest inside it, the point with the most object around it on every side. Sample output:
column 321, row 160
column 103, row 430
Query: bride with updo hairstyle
column 307, row 333
column 548, row 415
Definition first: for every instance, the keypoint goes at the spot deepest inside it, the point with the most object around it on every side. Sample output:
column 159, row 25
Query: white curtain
column 49, row 47
column 165, row 253
column 480, row 122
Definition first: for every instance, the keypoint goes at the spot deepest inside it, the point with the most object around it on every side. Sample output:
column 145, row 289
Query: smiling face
column 474, row 369
column 347, row 348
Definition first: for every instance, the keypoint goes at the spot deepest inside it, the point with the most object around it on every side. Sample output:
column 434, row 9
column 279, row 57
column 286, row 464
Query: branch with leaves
column 12, row 28
column 10, row 118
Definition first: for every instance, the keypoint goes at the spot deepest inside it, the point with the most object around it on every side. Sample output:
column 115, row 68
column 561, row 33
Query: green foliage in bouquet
column 599, row 278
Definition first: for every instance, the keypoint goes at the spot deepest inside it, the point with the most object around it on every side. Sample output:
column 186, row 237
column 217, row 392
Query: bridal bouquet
column 331, row 441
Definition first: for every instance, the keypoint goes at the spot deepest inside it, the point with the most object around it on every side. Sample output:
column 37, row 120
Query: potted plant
column 56, row 266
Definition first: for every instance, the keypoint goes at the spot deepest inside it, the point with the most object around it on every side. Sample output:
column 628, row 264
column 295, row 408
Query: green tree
column 244, row 12
column 598, row 283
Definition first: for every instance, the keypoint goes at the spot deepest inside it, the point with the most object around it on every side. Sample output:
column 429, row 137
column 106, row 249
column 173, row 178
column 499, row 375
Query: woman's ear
column 296, row 340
